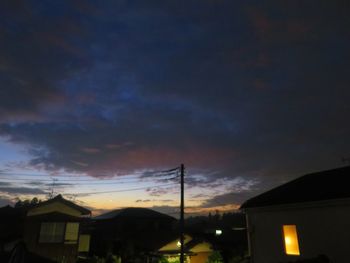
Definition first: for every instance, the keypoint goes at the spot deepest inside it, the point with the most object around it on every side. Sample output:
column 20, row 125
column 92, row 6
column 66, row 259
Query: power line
column 129, row 175
column 76, row 175
column 124, row 190
column 54, row 180
column 37, row 174
column 88, row 182
column 69, row 180
column 171, row 170
column 62, row 180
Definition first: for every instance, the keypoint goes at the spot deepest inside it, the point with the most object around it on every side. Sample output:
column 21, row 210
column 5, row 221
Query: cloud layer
column 248, row 90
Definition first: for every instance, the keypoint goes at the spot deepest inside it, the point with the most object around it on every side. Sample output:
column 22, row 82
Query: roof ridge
column 60, row 198
column 286, row 193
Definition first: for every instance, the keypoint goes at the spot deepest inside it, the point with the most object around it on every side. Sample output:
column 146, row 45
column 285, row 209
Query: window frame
column 63, row 239
column 52, row 242
column 71, row 241
column 296, row 238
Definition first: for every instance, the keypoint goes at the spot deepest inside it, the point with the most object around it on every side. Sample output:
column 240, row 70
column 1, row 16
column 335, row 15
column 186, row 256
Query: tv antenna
column 52, row 190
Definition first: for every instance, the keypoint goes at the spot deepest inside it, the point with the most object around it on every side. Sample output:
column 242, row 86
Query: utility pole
column 182, row 220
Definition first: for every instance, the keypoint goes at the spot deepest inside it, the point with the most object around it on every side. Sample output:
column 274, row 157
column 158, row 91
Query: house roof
column 319, row 186
column 59, row 198
column 171, row 245
column 191, row 244
column 56, row 217
column 133, row 212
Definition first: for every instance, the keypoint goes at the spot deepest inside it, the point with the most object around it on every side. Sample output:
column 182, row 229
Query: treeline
column 218, row 220
column 27, row 202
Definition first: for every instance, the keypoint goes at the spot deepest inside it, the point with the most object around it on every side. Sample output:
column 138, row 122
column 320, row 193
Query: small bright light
column 178, row 244
column 218, row 232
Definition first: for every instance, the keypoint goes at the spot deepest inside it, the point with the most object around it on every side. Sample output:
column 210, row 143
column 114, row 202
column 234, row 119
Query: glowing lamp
column 218, row 232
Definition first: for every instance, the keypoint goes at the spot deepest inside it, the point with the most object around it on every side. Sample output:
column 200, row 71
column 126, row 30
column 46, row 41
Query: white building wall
column 324, row 229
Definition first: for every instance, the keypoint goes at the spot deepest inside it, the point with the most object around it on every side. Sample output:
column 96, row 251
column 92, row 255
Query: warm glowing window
column 291, row 243
column 72, row 230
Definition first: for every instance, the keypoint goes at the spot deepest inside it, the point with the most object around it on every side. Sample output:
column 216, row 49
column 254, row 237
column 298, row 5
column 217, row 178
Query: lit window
column 291, row 243
column 51, row 232
column 71, row 236
column 84, row 243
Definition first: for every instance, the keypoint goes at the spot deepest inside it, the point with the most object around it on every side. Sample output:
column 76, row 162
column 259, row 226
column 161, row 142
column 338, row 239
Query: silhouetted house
column 54, row 229
column 196, row 250
column 11, row 225
column 226, row 232
column 301, row 219
column 131, row 232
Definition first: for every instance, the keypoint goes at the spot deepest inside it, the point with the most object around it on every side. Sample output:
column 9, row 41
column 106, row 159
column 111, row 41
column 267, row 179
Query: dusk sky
column 96, row 96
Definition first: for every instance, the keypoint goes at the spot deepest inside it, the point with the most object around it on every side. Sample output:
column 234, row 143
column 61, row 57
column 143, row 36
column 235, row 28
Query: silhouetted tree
column 19, row 203
column 34, row 201
column 217, row 216
column 27, row 203
column 215, row 257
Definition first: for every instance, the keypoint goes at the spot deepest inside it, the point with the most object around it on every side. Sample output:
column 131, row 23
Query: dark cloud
column 43, row 184
column 201, row 195
column 228, row 198
column 252, row 90
column 39, row 47
column 22, row 190
column 143, row 200
column 154, row 200
column 36, row 183
column 156, row 191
